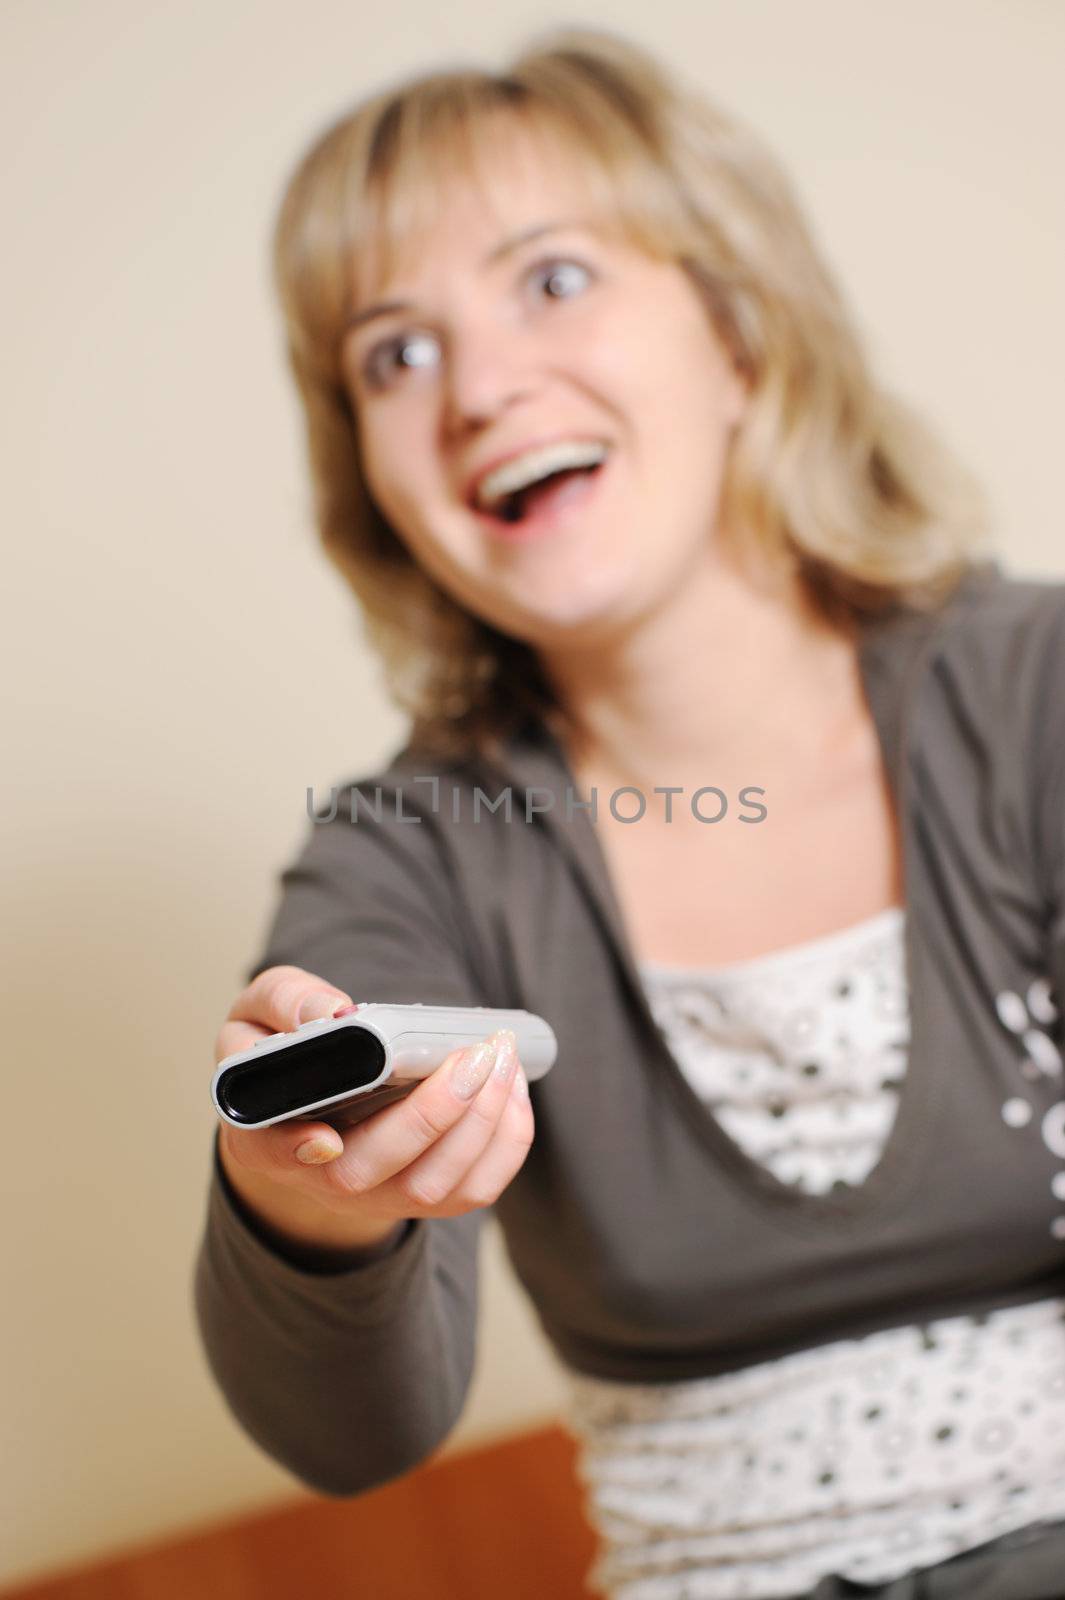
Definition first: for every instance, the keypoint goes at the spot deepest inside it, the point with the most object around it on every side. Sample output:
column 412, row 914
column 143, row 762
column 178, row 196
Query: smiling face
column 522, row 322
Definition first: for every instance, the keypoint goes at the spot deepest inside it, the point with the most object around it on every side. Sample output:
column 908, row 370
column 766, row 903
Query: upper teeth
column 522, row 470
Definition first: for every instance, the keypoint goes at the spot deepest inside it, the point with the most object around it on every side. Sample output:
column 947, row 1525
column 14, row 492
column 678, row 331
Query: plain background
column 181, row 663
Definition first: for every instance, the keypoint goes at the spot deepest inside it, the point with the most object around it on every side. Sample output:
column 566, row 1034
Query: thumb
column 307, row 1143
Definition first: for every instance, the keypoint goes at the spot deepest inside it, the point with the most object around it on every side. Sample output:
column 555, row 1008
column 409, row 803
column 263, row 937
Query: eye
column 391, row 355
column 562, row 278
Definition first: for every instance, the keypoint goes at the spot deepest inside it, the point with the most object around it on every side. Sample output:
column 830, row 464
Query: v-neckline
column 893, row 652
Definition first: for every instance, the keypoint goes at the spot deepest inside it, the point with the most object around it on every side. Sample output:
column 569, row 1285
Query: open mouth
column 539, row 504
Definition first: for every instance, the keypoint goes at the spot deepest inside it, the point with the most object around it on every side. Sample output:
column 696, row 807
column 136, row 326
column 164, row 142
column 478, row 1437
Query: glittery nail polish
column 506, row 1052
column 472, row 1068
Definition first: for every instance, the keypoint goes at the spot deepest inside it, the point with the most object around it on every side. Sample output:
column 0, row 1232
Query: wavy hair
column 828, row 475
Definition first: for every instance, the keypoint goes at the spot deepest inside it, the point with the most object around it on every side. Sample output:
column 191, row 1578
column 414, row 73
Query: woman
column 596, row 447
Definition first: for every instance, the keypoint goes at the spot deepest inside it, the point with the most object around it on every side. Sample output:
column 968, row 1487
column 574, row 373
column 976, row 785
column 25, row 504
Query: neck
column 730, row 671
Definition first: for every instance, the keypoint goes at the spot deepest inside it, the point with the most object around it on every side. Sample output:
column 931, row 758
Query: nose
column 488, row 369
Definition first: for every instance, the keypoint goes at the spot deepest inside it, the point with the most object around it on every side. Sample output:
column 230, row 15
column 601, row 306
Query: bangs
column 424, row 151
column 372, row 205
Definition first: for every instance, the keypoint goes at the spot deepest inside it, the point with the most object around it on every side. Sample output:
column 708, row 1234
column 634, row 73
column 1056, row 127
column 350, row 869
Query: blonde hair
column 828, row 475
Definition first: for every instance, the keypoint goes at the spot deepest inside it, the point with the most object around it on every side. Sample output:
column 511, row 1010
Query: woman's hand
column 450, row 1146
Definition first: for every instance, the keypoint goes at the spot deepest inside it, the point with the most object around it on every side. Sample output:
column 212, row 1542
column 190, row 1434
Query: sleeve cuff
column 241, row 1234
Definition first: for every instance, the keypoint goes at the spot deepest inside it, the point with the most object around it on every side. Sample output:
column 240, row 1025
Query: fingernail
column 520, row 1086
column 507, row 1051
column 312, row 1152
column 320, row 1005
column 472, row 1068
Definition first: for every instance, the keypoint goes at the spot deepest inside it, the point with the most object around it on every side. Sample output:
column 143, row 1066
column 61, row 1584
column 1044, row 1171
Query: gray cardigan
column 652, row 1248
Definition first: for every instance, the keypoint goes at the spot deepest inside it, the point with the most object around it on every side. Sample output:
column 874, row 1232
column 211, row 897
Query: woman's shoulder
column 417, row 811
column 990, row 660
column 1008, row 635
column 405, row 784
column 999, row 639
column 1000, row 665
column 990, row 603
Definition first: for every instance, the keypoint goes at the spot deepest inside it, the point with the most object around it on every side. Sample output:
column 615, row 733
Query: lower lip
column 547, row 516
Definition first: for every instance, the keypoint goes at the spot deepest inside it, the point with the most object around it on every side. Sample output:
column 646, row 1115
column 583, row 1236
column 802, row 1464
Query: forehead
column 461, row 196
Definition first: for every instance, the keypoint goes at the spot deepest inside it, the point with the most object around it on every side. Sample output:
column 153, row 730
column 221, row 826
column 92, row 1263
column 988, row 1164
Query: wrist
column 297, row 1226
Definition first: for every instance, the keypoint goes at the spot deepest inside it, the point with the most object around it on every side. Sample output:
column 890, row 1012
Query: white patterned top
column 864, row 1457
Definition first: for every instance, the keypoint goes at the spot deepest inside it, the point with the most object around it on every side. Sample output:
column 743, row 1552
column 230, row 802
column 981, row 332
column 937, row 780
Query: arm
column 1048, row 786
column 349, row 1367
column 349, row 1378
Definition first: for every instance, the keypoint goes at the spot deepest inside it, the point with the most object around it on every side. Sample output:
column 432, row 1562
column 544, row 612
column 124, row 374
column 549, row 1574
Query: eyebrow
column 508, row 246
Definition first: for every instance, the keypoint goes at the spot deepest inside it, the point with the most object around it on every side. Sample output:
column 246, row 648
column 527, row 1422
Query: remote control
column 341, row 1069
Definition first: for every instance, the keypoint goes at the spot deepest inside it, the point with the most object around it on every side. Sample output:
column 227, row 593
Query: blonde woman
column 773, row 756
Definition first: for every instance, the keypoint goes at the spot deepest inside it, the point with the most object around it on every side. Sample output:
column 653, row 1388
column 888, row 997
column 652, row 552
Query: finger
column 280, row 998
column 234, row 1037
column 428, row 1181
column 274, row 1151
column 501, row 1161
column 400, row 1133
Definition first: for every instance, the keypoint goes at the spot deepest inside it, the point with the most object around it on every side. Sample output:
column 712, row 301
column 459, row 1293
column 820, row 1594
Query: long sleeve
column 350, row 1378
column 1048, row 781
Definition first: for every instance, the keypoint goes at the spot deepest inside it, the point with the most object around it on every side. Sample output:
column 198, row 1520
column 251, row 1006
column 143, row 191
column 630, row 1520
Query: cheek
column 661, row 374
column 393, row 465
column 405, row 485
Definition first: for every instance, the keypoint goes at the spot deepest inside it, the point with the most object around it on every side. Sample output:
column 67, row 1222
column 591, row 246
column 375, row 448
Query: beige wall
column 181, row 663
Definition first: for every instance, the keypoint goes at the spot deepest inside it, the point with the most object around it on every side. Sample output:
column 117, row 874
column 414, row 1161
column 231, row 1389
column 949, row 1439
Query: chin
column 570, row 614
column 569, row 597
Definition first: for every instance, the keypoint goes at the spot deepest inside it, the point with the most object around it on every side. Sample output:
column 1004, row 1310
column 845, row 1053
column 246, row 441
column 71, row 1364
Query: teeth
column 525, row 469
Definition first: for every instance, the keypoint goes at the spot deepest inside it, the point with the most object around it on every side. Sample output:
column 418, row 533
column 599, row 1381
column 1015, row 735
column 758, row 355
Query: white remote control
column 342, row 1069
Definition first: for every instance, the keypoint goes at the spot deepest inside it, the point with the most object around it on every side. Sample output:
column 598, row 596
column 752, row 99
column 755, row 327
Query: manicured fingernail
column 312, row 1152
column 520, row 1086
column 320, row 1005
column 472, row 1068
column 507, row 1051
